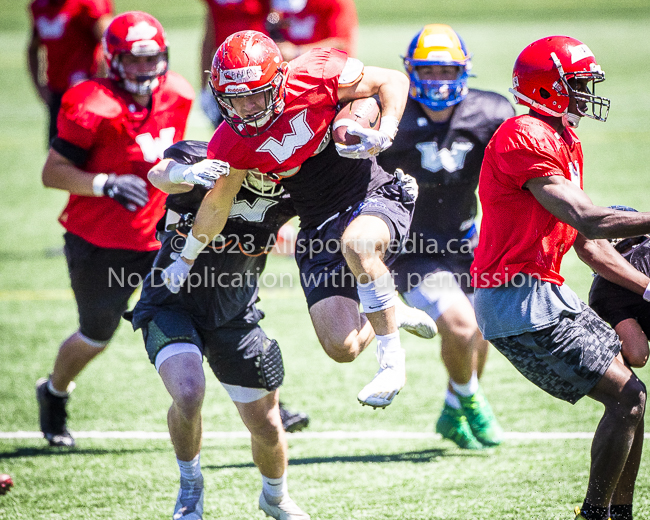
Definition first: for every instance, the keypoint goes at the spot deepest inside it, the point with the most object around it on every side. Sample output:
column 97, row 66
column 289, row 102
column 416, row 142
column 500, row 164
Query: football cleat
column 452, row 424
column 53, row 416
column 579, row 515
column 293, row 421
column 388, row 381
column 189, row 504
column 481, row 419
column 415, row 321
column 287, row 509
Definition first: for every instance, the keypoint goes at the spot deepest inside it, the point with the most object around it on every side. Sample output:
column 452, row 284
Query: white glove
column 209, row 106
column 175, row 274
column 372, row 142
column 408, row 182
column 204, row 173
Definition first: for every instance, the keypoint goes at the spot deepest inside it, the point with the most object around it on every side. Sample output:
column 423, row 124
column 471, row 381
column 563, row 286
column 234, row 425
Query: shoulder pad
column 352, row 72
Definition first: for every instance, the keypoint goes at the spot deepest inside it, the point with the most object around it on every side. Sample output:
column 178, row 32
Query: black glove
column 129, row 190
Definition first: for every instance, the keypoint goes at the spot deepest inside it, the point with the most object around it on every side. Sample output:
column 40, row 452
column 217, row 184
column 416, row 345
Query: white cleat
column 189, row 504
column 285, row 510
column 415, row 321
column 388, row 381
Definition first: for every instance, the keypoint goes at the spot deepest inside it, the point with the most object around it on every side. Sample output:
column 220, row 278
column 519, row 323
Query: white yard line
column 379, row 434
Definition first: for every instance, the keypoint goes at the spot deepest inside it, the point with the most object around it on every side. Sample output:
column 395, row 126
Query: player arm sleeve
column 76, row 154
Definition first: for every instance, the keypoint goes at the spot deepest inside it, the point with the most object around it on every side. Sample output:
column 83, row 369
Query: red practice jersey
column 230, row 16
column 65, row 28
column 121, row 137
column 518, row 235
column 310, row 106
column 321, row 19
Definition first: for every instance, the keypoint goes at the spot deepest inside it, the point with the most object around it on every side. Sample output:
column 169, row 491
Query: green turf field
column 386, row 476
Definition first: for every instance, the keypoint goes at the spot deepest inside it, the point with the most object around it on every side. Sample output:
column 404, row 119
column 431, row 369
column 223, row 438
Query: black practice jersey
column 224, row 278
column 446, row 161
column 328, row 183
column 614, row 303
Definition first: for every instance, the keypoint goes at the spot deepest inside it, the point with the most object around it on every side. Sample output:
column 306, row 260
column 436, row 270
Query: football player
column 69, row 32
column 534, row 210
column 353, row 214
column 214, row 315
column 300, row 25
column 443, row 134
column 222, row 19
column 626, row 312
column 110, row 133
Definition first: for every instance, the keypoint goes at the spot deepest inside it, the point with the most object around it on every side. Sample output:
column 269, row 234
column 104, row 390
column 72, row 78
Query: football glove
column 204, row 173
column 175, row 274
column 372, row 142
column 129, row 190
column 407, row 182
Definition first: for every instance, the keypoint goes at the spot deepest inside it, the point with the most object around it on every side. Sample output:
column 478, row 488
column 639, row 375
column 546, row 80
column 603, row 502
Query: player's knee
column 344, row 351
column 637, row 359
column 100, row 327
column 188, row 397
column 266, row 431
column 633, row 400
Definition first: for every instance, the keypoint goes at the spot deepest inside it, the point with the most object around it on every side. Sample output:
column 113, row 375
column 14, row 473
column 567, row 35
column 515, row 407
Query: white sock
column 468, row 389
column 452, row 400
column 275, row 489
column 190, row 470
column 387, row 345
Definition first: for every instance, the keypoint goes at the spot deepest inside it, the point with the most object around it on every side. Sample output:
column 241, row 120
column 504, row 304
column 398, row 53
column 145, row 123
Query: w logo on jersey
column 254, row 212
column 434, row 160
column 154, row 147
column 51, row 29
column 301, row 134
column 574, row 170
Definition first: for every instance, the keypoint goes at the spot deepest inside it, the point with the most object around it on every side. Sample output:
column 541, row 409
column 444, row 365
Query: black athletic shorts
column 567, row 359
column 323, row 270
column 239, row 353
column 103, row 280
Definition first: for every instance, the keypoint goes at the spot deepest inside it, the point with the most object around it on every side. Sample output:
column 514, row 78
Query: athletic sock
column 274, row 489
column 591, row 512
column 452, row 400
column 388, row 344
column 621, row 512
column 467, row 389
column 54, row 391
column 190, row 470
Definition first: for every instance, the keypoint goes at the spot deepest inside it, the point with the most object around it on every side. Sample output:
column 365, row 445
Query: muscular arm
column 571, row 205
column 601, row 256
column 32, row 62
column 159, row 177
column 215, row 207
column 61, row 173
column 391, row 86
column 98, row 30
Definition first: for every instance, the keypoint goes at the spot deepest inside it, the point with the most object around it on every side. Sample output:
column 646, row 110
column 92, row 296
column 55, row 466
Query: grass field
column 407, row 473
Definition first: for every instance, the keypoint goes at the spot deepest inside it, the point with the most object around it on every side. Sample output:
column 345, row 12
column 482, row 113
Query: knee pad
column 269, row 365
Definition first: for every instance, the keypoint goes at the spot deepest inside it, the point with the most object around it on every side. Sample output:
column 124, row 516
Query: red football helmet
column 245, row 64
column 137, row 34
column 542, row 79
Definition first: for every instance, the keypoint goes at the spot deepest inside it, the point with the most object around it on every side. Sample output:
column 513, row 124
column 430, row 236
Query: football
column 364, row 111
column 5, row 484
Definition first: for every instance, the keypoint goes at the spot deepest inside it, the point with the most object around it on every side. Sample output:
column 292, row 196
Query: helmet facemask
column 258, row 123
column 137, row 82
column 437, row 94
column 594, row 106
column 260, row 184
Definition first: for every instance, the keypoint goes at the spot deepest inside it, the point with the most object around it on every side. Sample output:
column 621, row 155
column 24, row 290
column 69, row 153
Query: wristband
column 177, row 173
column 646, row 294
column 99, row 182
column 388, row 126
column 192, row 248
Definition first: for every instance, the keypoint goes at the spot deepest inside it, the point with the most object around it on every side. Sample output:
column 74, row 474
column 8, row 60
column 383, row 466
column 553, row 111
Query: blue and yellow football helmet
column 438, row 44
